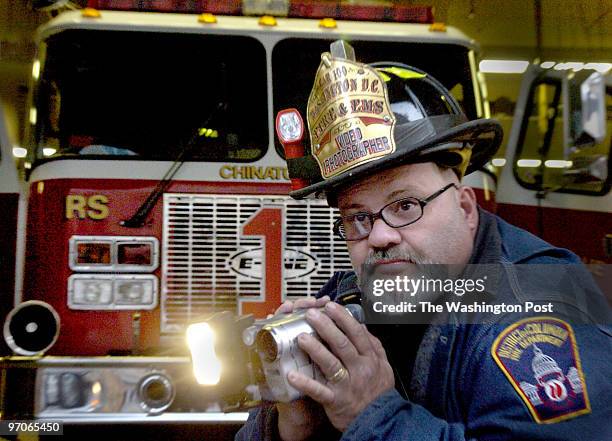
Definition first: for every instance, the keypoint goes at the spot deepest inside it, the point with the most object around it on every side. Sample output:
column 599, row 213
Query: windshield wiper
column 138, row 219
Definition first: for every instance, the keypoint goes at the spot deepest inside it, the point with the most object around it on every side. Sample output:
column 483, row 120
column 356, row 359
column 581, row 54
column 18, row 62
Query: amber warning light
column 290, row 131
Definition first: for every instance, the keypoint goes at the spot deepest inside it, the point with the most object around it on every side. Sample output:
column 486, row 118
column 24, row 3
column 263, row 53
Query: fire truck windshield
column 142, row 95
column 295, row 61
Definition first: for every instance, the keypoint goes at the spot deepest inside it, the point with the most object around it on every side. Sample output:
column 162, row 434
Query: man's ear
column 469, row 206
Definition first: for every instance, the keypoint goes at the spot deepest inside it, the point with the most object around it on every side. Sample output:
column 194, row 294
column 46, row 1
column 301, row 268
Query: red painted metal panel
column 580, row 231
column 486, row 199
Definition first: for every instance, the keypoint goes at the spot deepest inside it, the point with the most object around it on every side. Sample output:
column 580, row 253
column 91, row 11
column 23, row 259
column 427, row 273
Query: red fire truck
column 157, row 193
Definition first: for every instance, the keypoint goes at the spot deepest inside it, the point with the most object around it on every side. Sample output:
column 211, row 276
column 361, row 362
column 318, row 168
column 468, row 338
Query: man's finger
column 289, row 306
column 285, row 308
column 376, row 344
column 338, row 342
column 355, row 332
column 315, row 390
column 327, row 362
column 322, row 301
column 310, row 302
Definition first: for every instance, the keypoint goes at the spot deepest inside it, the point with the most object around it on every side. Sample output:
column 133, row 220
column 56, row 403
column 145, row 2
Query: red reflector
column 411, row 14
column 313, row 9
column 112, row 4
column 94, row 253
column 134, row 254
column 227, row 7
column 298, row 9
column 166, row 6
column 362, row 12
column 371, row 12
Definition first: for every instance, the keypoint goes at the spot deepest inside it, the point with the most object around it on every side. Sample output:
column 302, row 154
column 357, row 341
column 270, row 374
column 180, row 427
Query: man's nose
column 383, row 236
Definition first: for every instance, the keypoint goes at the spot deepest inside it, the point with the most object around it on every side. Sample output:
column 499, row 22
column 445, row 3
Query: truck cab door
column 10, row 192
column 557, row 178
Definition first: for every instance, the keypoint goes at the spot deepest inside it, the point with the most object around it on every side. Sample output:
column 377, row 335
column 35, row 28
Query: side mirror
column 592, row 168
column 585, row 111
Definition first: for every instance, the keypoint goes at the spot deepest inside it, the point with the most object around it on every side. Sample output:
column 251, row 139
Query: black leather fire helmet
column 354, row 134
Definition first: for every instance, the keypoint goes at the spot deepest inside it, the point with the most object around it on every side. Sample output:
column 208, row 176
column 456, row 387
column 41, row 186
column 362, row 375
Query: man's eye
column 359, row 217
column 406, row 205
column 402, row 206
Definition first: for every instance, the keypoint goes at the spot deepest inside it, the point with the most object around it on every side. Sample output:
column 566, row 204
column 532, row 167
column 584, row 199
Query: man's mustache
column 397, row 253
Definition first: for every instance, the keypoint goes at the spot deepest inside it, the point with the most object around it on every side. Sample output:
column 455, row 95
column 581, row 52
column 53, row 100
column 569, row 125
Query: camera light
column 206, row 364
column 97, row 253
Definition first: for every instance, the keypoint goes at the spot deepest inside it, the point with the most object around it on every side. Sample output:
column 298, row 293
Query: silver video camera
column 274, row 341
column 243, row 361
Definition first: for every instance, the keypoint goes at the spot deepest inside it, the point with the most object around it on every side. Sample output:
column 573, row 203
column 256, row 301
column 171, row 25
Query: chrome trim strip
column 104, row 361
column 170, row 417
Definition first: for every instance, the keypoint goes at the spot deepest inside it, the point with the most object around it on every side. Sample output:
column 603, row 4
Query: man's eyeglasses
column 396, row 214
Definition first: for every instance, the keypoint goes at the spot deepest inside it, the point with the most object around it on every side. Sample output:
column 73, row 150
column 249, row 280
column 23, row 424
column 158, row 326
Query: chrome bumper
column 91, row 390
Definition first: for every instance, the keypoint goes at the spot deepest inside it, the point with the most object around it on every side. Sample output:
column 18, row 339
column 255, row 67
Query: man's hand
column 300, row 419
column 368, row 373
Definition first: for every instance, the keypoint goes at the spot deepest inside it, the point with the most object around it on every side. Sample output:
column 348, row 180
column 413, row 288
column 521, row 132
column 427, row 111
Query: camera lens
column 266, row 345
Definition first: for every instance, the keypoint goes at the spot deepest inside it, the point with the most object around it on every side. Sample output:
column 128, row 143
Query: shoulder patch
column 539, row 356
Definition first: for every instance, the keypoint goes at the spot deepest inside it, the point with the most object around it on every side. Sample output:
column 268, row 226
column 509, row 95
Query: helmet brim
column 483, row 135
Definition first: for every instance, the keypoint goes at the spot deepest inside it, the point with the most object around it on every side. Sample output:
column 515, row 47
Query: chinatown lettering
column 352, row 146
column 253, row 172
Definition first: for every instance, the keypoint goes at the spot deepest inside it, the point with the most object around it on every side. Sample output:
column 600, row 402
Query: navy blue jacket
column 517, row 378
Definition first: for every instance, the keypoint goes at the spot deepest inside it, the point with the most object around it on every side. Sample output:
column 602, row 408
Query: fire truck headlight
column 112, row 291
column 137, row 292
column 206, row 364
column 92, row 292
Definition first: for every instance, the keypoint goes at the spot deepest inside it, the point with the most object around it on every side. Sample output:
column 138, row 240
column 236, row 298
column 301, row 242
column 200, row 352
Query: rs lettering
column 81, row 207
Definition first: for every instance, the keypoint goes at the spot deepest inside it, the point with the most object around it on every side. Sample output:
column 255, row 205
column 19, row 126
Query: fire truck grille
column 207, row 263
